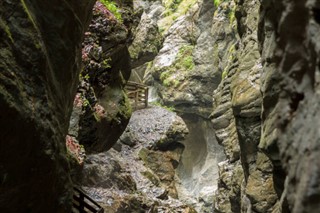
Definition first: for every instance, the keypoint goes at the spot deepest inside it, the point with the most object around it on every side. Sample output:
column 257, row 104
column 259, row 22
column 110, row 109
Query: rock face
column 294, row 53
column 198, row 168
column 246, row 179
column 101, row 107
column 174, row 57
column 263, row 108
column 182, row 71
column 138, row 173
column 40, row 62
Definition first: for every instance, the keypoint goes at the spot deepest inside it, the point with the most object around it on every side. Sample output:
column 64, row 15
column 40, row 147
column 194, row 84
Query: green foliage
column 105, row 63
column 86, row 77
column 231, row 14
column 188, row 63
column 113, row 8
column 224, row 74
column 182, row 64
column 174, row 5
column 6, row 29
column 85, row 102
column 216, row 2
column 173, row 10
column 185, row 58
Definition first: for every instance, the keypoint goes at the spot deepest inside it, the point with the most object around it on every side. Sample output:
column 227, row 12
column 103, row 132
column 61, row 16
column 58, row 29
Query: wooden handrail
column 82, row 203
column 138, row 94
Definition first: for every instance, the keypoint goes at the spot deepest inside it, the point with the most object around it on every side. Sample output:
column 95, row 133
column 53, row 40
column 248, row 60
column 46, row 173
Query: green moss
column 174, row 5
column 183, row 63
column 143, row 154
column 231, row 14
column 224, row 74
column 169, row 108
column 231, row 57
column 216, row 2
column 105, row 64
column 6, row 29
column 125, row 107
column 29, row 14
column 188, row 63
column 150, row 176
column 173, row 10
column 113, row 8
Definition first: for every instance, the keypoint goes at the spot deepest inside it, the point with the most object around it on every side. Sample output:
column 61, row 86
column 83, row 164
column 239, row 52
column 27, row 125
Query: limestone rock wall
column 246, row 180
column 101, row 107
column 265, row 110
column 294, row 139
column 40, row 60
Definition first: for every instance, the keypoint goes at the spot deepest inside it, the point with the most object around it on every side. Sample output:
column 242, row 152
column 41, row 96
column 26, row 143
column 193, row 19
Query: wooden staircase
column 82, row 203
column 138, row 94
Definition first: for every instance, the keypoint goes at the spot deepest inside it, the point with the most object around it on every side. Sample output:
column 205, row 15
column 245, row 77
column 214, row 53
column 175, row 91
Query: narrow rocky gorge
column 231, row 123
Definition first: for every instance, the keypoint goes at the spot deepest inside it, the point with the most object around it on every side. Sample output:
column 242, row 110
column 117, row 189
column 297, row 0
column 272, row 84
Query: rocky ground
column 138, row 173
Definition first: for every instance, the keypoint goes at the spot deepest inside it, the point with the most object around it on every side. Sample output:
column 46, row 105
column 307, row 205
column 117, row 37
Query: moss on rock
column 182, row 65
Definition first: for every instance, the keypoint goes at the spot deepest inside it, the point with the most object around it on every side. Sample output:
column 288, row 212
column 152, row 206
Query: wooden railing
column 82, row 203
column 138, row 95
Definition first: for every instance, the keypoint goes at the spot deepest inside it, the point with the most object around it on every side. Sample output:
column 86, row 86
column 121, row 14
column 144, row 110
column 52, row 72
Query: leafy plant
column 113, row 8
column 216, row 3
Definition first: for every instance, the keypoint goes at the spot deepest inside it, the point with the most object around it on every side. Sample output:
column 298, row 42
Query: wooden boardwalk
column 138, row 95
column 82, row 203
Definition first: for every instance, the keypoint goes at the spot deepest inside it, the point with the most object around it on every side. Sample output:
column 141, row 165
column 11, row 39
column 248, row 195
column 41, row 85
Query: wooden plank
column 83, row 202
column 84, row 205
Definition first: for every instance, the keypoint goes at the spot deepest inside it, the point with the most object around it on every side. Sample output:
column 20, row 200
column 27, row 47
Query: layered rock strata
column 269, row 100
column 237, row 120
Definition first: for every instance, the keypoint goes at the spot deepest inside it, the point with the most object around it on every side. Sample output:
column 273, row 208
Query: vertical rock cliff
column 256, row 62
column 40, row 60
column 246, row 182
column 263, row 108
column 292, row 87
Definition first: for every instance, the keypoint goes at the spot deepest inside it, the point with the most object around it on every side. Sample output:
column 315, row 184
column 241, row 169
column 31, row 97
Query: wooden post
column 81, row 203
column 136, row 99
column 146, row 93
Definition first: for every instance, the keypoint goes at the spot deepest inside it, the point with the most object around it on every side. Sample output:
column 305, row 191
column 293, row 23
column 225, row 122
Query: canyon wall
column 260, row 59
column 290, row 95
column 40, row 61
column 264, row 110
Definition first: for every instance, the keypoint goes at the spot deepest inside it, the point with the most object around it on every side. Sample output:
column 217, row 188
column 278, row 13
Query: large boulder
column 138, row 173
column 101, row 107
column 40, row 60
